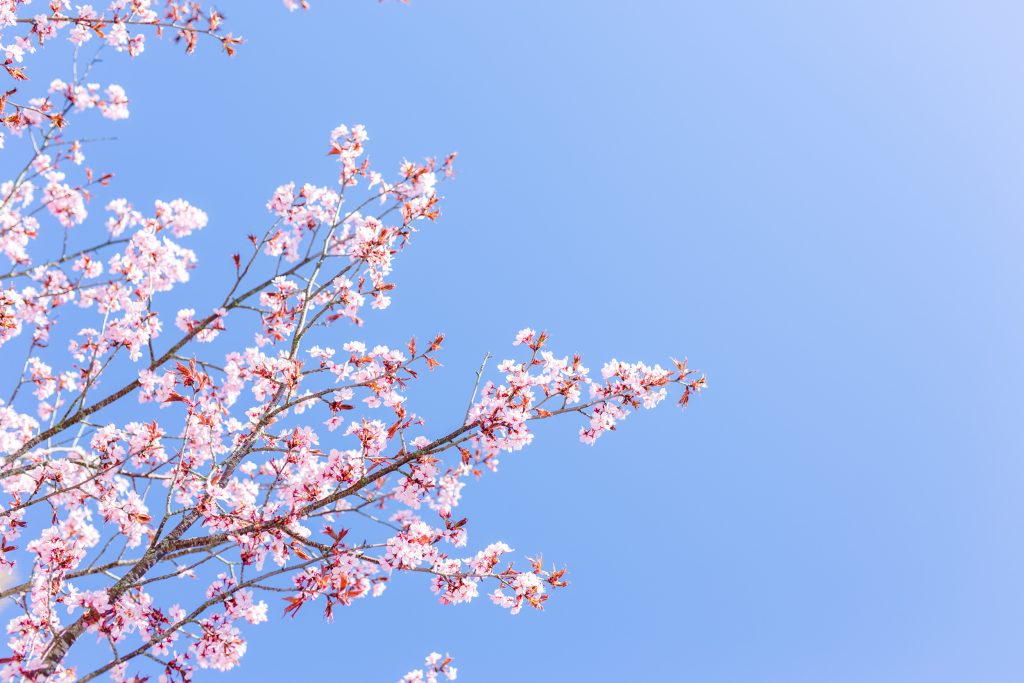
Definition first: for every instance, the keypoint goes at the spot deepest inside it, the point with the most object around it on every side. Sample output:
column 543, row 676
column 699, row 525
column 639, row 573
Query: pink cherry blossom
column 435, row 667
column 176, row 472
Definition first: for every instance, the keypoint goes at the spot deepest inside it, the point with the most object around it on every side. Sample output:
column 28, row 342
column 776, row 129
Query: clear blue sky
column 819, row 203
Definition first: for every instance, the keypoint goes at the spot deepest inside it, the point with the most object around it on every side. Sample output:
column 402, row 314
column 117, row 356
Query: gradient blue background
column 819, row 203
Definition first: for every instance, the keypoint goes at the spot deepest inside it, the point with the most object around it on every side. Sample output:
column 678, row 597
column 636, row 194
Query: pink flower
column 524, row 336
column 221, row 645
column 115, row 107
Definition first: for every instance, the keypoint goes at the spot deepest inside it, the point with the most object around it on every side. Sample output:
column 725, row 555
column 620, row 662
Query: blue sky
column 818, row 203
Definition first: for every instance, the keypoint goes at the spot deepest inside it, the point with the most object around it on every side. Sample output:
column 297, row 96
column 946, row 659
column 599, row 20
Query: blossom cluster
column 26, row 27
column 434, row 667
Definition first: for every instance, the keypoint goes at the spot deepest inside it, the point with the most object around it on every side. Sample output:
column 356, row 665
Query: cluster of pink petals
column 434, row 667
